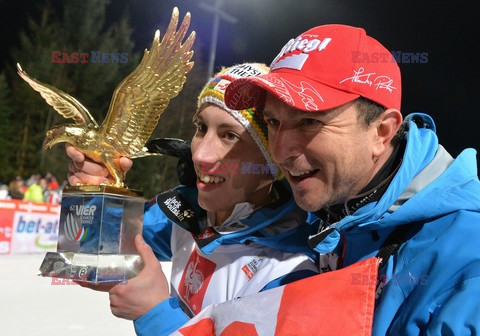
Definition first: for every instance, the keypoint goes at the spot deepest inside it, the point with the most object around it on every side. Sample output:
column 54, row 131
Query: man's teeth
column 300, row 173
column 210, row 178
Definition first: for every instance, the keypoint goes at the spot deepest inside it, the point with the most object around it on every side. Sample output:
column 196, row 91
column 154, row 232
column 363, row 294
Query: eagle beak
column 48, row 145
column 50, row 139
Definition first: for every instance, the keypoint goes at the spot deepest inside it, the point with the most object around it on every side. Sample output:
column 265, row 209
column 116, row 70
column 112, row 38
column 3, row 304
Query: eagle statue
column 136, row 106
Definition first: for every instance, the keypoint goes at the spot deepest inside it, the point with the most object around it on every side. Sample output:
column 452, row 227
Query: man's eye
column 231, row 136
column 272, row 122
column 309, row 121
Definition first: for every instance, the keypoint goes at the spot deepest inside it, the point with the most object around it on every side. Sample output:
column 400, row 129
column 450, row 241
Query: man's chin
column 307, row 202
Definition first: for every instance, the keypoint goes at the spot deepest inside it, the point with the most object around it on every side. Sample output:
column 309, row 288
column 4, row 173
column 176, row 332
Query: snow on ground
column 31, row 306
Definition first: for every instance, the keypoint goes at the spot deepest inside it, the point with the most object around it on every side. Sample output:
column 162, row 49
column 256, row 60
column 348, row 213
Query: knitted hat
column 214, row 91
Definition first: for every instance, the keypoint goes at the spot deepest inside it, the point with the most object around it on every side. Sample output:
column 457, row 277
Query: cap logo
column 292, row 62
column 244, row 70
column 301, row 44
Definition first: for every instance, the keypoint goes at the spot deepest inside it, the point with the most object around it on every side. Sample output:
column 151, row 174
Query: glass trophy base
column 93, row 268
column 96, row 239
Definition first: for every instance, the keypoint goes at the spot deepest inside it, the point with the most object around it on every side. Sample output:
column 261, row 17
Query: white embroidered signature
column 380, row 82
column 305, row 90
column 280, row 89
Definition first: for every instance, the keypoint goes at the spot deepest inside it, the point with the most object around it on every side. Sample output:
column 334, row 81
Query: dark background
column 445, row 87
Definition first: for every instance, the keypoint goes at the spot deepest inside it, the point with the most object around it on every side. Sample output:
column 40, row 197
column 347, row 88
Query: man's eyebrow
column 222, row 125
column 265, row 113
column 234, row 126
column 226, row 125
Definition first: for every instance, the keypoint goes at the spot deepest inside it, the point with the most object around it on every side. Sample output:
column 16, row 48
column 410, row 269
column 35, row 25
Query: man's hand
column 142, row 293
column 85, row 171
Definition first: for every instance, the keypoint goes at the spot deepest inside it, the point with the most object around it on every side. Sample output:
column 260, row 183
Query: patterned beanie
column 213, row 93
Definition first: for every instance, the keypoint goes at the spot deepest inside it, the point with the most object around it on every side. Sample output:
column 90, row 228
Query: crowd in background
column 37, row 188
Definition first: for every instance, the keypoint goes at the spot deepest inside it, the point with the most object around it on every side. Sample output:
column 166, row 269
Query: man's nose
column 284, row 144
column 206, row 155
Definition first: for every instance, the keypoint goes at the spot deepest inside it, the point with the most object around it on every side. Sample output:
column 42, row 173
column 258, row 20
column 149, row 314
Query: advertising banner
column 27, row 227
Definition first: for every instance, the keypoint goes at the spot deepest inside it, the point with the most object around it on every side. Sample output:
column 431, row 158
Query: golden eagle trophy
column 98, row 223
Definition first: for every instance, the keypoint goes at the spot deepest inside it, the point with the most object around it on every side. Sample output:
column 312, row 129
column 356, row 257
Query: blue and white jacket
column 252, row 251
column 432, row 282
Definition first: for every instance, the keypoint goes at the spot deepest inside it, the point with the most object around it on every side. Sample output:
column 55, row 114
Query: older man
column 381, row 187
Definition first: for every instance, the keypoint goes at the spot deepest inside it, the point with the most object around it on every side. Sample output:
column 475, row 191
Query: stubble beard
column 315, row 199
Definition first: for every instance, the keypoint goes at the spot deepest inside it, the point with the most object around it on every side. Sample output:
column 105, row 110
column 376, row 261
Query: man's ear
column 387, row 126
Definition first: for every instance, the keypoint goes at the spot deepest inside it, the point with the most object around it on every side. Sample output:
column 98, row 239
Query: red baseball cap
column 325, row 67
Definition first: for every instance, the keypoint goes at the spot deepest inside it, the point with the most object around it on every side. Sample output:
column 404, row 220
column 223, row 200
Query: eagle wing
column 140, row 99
column 63, row 103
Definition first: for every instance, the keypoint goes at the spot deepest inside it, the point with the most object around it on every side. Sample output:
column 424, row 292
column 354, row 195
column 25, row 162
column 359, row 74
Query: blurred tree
column 81, row 27
column 8, row 133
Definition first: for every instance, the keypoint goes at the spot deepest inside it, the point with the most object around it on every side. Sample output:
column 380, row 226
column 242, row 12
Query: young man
column 381, row 187
column 238, row 232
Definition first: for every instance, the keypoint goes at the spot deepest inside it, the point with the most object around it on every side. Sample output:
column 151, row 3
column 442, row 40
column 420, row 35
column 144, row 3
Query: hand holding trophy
column 98, row 224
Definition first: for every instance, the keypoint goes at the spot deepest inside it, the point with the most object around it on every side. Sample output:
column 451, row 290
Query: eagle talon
column 117, row 185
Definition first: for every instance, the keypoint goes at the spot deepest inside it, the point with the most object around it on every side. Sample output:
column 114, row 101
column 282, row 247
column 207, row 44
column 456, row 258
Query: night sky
column 445, row 87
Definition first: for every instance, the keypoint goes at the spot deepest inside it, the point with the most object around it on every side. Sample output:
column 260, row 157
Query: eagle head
column 64, row 133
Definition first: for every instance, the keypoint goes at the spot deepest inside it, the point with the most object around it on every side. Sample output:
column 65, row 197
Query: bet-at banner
column 27, row 227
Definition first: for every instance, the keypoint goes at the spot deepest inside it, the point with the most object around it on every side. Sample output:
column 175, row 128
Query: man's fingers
column 100, row 287
column 74, row 154
column 72, row 179
column 91, row 168
column 125, row 163
column 87, row 171
column 76, row 176
column 145, row 252
column 91, row 180
column 143, row 292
